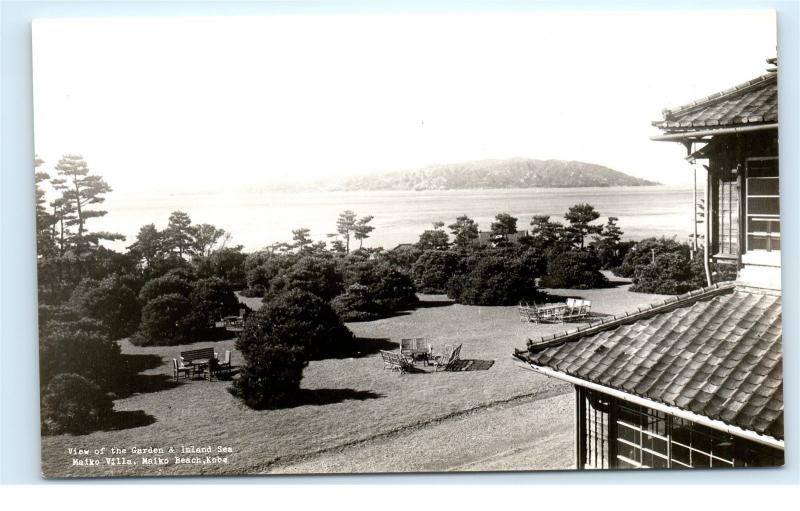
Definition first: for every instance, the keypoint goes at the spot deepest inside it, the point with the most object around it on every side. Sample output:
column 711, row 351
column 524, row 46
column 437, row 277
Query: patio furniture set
column 200, row 362
column 418, row 349
column 572, row 310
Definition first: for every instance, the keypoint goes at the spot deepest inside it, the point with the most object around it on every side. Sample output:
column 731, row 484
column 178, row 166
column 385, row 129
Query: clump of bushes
column 433, row 270
column 177, row 310
column 271, row 374
column 73, row 404
column 646, row 250
column 300, row 318
column 495, row 277
column 673, row 273
column 356, row 304
column 277, row 342
column 165, row 285
column 375, row 288
column 69, row 343
column 166, row 320
column 310, row 273
column 110, row 302
column 670, row 274
column 574, row 269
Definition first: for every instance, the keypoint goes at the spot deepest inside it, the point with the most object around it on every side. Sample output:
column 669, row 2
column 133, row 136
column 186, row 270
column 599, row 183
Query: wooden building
column 696, row 381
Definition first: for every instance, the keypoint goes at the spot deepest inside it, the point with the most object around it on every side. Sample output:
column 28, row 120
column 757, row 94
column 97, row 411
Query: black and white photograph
column 408, row 243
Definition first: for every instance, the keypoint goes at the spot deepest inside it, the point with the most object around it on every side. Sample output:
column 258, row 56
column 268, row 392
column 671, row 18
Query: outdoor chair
column 178, row 368
column 528, row 314
column 452, row 354
column 415, row 348
column 225, row 363
column 550, row 314
column 395, row 361
column 576, row 309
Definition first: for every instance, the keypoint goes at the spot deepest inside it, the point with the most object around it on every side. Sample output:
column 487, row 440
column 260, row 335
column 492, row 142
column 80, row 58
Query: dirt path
column 526, row 434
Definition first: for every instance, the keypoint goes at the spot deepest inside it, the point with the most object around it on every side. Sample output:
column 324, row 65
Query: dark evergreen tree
column 464, row 231
column 579, row 217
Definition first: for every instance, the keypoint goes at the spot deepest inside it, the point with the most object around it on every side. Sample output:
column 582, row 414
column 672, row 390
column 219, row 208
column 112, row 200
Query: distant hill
column 509, row 173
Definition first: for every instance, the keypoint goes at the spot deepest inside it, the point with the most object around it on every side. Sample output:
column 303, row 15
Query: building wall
column 612, row 433
column 744, row 209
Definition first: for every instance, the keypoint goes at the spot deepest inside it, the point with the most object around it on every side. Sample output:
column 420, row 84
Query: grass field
column 352, row 415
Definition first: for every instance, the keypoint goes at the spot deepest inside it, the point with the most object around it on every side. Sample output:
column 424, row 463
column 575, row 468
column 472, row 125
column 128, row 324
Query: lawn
column 349, row 405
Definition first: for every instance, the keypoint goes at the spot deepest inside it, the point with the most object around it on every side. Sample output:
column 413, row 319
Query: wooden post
column 580, row 423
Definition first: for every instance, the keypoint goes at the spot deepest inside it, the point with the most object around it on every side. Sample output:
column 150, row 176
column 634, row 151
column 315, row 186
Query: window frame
column 768, row 217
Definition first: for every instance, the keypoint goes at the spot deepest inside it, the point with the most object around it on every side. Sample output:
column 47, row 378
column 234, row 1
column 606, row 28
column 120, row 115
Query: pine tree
column 361, row 229
column 345, row 225
column 464, row 230
column 79, row 190
column 579, row 217
column 180, row 235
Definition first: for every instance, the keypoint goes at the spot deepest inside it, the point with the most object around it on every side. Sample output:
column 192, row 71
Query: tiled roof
column 716, row 353
column 752, row 102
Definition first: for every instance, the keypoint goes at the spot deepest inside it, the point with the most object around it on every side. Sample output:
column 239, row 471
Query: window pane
column 681, row 454
column 628, row 451
column 653, row 460
column 700, row 460
column 760, row 224
column 762, row 186
column 654, row 444
column 724, row 449
column 763, row 243
column 763, row 206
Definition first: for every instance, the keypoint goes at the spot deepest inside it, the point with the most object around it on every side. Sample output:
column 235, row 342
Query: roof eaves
column 717, row 96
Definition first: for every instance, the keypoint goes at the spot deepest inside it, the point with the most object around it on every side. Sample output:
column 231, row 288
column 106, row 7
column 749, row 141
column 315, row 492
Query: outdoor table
column 201, row 364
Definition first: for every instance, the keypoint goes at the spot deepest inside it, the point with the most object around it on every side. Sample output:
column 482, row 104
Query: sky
column 196, row 104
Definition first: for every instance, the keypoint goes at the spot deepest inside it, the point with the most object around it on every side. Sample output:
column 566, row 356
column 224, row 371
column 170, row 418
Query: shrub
column 165, row 285
column 310, row 273
column 719, row 272
column 403, row 257
column 387, row 288
column 68, row 344
column 575, row 269
column 169, row 265
column 226, row 263
column 271, row 373
column 300, row 318
column 212, row 299
column 493, row 277
column 72, row 404
column 356, row 304
column 645, row 251
column 261, row 268
column 166, row 320
column 433, row 270
column 110, row 302
column 669, row 274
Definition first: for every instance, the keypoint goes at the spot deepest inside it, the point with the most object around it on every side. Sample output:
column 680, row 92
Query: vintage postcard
column 507, row 241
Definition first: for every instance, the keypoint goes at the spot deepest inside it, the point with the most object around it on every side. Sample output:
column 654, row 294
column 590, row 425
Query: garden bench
column 395, row 361
column 199, row 360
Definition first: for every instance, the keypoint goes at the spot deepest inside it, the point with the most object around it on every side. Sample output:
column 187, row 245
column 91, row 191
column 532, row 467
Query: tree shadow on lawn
column 366, row 346
column 130, row 381
column 321, row 397
column 431, row 304
column 127, row 420
column 422, row 304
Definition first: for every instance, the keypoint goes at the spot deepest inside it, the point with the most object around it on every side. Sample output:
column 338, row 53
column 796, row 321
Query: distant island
column 505, row 173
